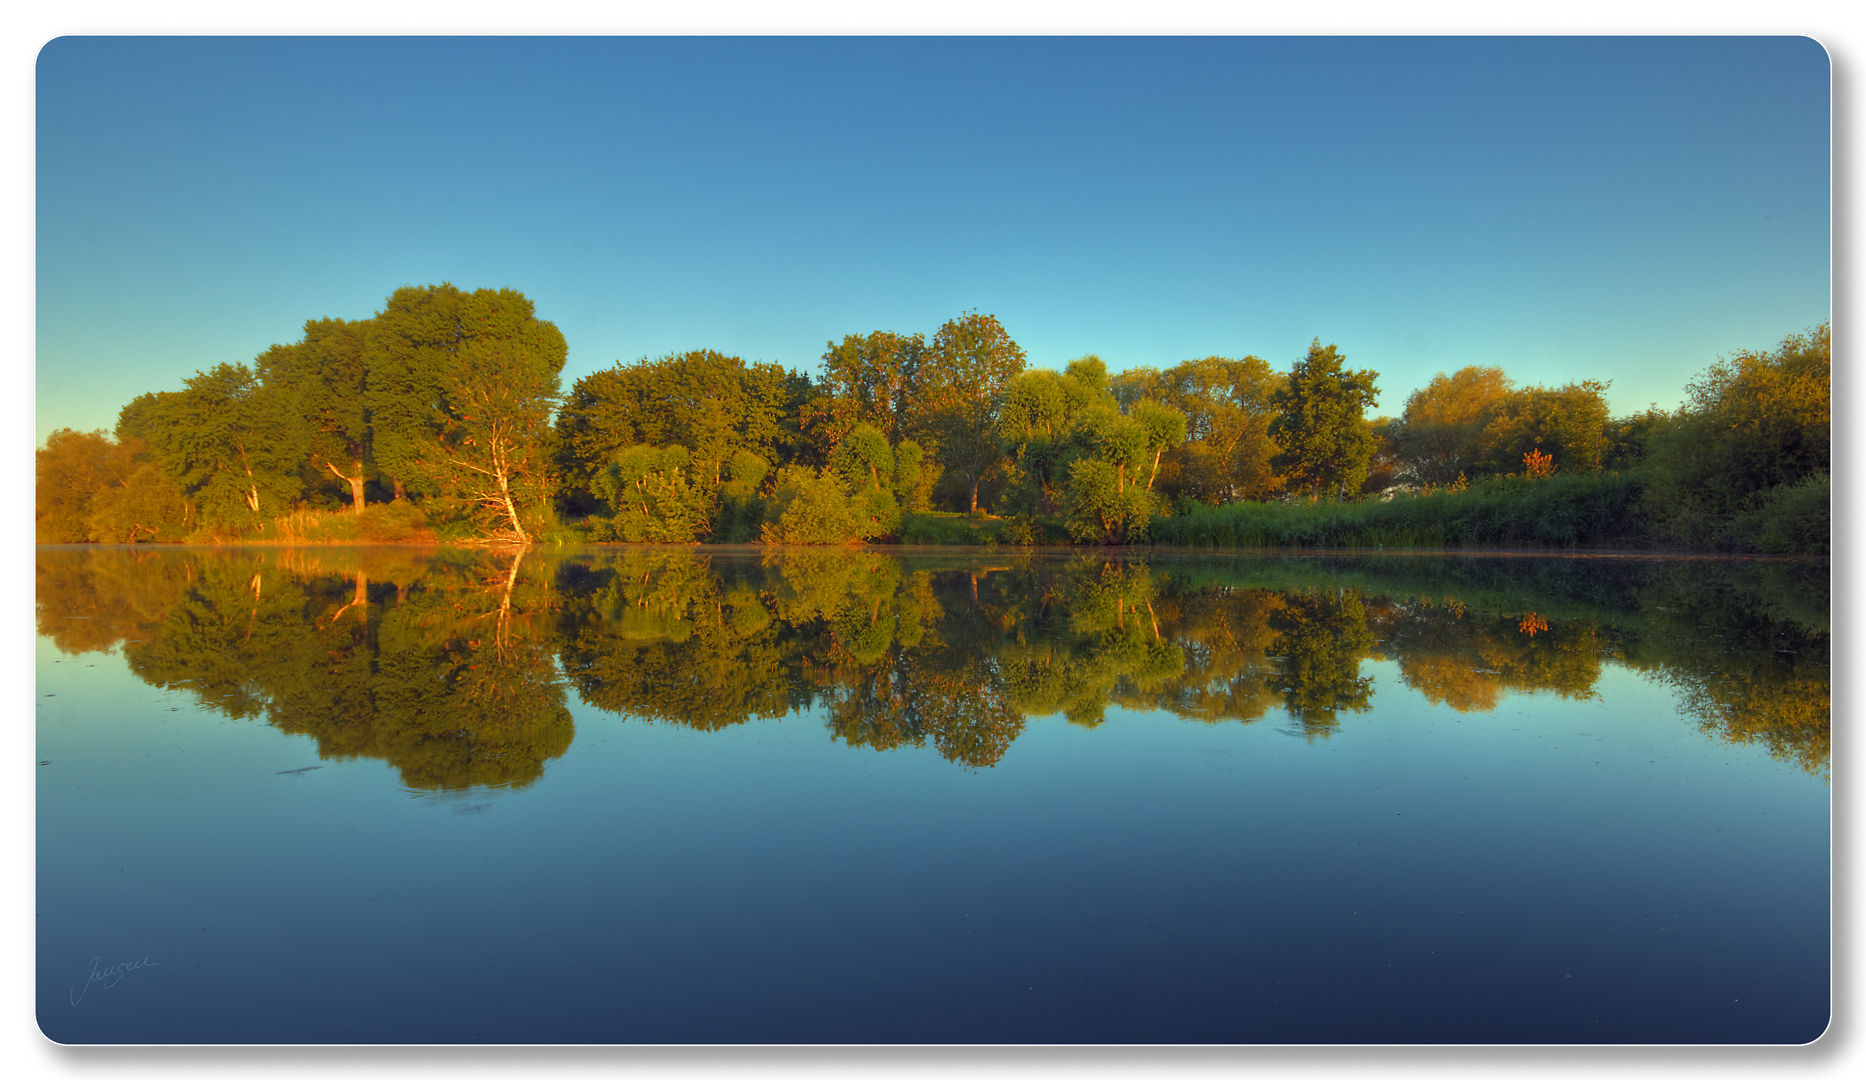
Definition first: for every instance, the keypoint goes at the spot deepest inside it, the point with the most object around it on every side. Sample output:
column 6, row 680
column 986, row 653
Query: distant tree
column 1441, row 432
column 70, row 471
column 1628, row 437
column 1566, row 422
column 1477, row 423
column 964, row 372
column 1325, row 447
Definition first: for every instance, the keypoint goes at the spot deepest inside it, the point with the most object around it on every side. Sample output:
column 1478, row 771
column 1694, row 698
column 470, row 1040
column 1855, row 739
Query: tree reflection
column 453, row 666
column 1471, row 660
column 444, row 668
column 1321, row 638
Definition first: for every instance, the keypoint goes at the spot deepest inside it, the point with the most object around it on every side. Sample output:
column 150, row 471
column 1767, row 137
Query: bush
column 1560, row 511
column 1792, row 519
column 399, row 522
column 813, row 506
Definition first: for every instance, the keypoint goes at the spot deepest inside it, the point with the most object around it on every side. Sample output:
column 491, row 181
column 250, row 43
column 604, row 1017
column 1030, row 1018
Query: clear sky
column 1564, row 208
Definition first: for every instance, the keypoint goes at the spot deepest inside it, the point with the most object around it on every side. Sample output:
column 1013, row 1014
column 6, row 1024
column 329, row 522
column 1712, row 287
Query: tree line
column 442, row 417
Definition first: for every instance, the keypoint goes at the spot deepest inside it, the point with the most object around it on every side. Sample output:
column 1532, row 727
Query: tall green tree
column 965, row 372
column 1325, row 447
column 409, row 349
column 233, row 444
column 327, row 373
column 1036, row 424
column 489, row 447
column 1228, row 449
column 870, row 379
column 460, row 389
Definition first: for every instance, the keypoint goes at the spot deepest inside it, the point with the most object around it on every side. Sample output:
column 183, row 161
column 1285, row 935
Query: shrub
column 398, row 522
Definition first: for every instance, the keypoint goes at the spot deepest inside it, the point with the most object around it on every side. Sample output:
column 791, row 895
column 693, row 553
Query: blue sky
column 1564, row 208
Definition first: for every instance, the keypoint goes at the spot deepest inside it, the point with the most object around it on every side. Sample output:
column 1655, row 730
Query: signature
column 111, row 975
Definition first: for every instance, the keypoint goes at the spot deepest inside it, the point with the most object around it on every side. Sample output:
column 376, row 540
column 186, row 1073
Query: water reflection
column 454, row 666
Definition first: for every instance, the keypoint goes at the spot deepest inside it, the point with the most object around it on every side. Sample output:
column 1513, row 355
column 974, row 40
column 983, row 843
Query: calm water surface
column 668, row 795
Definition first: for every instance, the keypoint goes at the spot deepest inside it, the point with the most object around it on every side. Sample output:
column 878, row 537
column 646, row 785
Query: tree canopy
column 1324, row 449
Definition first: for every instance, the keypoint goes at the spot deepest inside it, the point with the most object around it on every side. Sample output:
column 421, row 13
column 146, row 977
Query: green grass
column 1559, row 512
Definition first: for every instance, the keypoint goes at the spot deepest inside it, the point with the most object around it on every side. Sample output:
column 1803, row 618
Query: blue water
column 1556, row 870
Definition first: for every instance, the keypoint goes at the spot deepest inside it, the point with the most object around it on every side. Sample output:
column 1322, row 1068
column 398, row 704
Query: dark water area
column 668, row 795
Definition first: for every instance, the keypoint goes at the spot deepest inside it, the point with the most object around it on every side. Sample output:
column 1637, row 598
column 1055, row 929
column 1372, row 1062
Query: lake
column 698, row 795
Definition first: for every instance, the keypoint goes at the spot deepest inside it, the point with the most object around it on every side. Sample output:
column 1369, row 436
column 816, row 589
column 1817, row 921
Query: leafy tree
column 850, row 501
column 408, row 351
column 714, row 405
column 1325, row 447
column 655, row 498
column 327, row 374
column 70, row 471
column 489, row 450
column 872, row 379
column 1228, row 452
column 1627, row 437
column 864, row 459
column 909, row 477
column 1476, row 423
column 1440, row 435
column 738, row 508
column 233, row 444
column 1036, row 425
column 965, row 372
column 1567, row 422
column 1755, row 425
column 1386, row 466
column 1110, row 489
column 147, row 505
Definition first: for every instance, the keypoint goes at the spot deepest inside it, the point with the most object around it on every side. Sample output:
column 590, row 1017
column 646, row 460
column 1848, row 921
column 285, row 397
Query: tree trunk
column 973, row 508
column 511, row 512
column 356, row 488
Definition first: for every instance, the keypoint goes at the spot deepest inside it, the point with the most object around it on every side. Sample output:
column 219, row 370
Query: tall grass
column 1559, row 511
